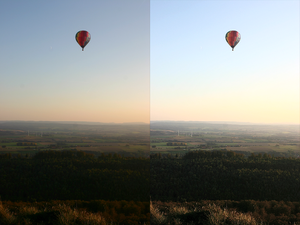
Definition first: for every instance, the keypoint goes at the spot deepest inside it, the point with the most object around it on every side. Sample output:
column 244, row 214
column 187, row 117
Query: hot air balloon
column 83, row 37
column 232, row 37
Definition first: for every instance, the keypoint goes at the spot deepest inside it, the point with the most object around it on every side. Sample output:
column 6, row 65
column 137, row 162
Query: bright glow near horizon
column 196, row 77
column 44, row 75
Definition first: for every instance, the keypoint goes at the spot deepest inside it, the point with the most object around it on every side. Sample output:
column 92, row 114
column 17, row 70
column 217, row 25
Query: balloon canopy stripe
column 233, row 37
column 83, row 37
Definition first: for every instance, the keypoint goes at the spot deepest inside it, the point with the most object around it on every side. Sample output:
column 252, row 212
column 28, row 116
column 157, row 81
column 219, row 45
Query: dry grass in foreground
column 60, row 215
column 206, row 215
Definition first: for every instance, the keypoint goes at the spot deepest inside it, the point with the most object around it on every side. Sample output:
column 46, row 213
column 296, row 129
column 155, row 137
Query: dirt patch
column 103, row 144
column 251, row 148
column 197, row 143
column 254, row 144
column 47, row 143
column 103, row 149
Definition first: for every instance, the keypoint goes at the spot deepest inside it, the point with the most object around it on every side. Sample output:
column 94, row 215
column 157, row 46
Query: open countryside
column 93, row 137
column 214, row 173
column 74, row 173
column 271, row 139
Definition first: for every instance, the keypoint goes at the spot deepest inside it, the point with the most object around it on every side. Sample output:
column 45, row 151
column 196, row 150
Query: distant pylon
column 178, row 133
column 28, row 132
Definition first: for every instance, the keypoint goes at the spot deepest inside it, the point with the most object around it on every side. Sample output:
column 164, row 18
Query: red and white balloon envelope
column 233, row 38
column 83, row 37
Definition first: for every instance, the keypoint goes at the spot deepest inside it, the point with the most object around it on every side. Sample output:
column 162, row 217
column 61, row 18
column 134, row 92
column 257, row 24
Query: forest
column 110, row 187
column 96, row 172
column 74, row 172
column 74, row 175
column 224, row 175
column 264, row 187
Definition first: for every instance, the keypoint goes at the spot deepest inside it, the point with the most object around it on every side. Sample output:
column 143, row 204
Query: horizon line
column 71, row 121
column 151, row 121
column 225, row 122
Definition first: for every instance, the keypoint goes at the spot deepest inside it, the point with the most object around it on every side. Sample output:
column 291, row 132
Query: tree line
column 74, row 175
column 221, row 175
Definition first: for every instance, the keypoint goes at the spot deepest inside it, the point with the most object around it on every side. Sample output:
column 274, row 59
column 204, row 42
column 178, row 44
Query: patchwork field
column 55, row 136
column 203, row 136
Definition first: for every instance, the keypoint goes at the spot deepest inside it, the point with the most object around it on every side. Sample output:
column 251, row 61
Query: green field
column 247, row 138
column 87, row 137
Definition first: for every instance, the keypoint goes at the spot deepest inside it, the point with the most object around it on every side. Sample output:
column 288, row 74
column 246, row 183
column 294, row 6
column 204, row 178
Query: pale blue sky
column 45, row 75
column 196, row 76
column 181, row 44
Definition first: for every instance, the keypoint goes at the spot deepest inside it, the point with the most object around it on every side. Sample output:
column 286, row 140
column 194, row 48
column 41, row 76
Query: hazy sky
column 195, row 76
column 172, row 52
column 44, row 74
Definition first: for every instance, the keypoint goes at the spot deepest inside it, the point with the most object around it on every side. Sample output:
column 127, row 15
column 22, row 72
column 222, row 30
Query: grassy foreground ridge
column 75, row 213
column 206, row 215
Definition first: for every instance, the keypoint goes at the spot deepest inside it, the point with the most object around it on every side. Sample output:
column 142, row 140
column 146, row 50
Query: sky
column 195, row 76
column 45, row 76
column 158, row 60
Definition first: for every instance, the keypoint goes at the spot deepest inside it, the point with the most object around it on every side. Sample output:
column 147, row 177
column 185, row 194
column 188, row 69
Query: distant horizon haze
column 225, row 122
column 150, row 61
column 45, row 75
column 151, row 122
column 196, row 76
